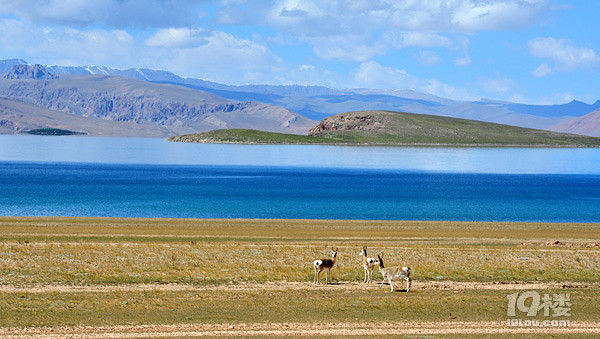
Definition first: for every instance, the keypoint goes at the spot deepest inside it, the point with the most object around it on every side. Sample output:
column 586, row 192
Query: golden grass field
column 119, row 277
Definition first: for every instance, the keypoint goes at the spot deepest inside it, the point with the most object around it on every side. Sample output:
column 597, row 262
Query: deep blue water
column 237, row 191
column 136, row 177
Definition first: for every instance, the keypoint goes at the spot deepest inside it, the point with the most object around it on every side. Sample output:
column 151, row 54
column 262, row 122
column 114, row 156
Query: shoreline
column 98, row 229
column 292, row 221
column 3, row 217
column 407, row 145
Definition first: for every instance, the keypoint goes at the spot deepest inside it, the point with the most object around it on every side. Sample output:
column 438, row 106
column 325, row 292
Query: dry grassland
column 106, row 272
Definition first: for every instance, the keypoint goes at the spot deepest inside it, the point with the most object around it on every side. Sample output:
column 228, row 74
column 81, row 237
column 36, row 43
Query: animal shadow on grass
column 332, row 283
column 396, row 290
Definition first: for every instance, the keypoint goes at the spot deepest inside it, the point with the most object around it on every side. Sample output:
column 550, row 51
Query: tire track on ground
column 282, row 286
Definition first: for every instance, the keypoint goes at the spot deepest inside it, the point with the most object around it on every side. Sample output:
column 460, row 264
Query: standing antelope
column 368, row 264
column 393, row 273
column 325, row 264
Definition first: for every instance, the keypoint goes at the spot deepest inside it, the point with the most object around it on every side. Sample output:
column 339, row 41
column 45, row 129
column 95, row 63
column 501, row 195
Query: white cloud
column 165, row 34
column 444, row 90
column 542, row 70
column 68, row 11
column 373, row 75
column 552, row 98
column 359, row 30
column 465, row 61
column 473, row 16
column 66, row 46
column 299, row 18
column 227, row 59
column 422, row 39
column 424, row 15
column 355, row 31
column 428, row 58
column 215, row 55
column 112, row 13
column 293, row 15
column 177, row 37
column 497, row 85
column 350, row 47
column 563, row 53
column 362, row 47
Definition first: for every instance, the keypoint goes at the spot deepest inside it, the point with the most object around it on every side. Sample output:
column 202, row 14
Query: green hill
column 386, row 128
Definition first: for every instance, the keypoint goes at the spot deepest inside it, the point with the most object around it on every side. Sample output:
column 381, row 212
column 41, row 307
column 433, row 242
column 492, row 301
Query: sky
column 526, row 51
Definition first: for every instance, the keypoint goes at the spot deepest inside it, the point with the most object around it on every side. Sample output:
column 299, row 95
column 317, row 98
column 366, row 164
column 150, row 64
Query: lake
column 137, row 177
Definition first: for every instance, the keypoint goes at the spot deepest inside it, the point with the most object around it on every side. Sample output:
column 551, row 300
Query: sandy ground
column 293, row 329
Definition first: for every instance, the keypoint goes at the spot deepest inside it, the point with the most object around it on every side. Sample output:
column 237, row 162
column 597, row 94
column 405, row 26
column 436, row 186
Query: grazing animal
column 325, row 264
column 393, row 273
column 368, row 264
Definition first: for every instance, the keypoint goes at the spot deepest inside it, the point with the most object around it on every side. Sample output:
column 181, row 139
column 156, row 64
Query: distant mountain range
column 298, row 107
column 588, row 124
column 32, row 94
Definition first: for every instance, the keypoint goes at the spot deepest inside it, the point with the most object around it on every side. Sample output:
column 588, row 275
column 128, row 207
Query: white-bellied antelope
column 368, row 264
column 393, row 273
column 325, row 264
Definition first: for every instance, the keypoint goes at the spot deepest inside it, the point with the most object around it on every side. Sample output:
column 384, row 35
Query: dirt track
column 293, row 329
column 281, row 286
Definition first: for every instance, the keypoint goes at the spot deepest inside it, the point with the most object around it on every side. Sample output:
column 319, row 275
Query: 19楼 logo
column 532, row 304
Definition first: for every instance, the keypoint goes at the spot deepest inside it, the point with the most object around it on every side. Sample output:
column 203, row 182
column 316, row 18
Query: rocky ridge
column 28, row 72
column 350, row 121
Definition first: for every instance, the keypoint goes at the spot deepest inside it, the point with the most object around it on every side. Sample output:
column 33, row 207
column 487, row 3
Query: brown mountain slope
column 176, row 109
column 18, row 117
column 588, row 124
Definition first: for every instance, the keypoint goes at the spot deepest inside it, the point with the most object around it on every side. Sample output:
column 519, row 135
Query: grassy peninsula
column 387, row 128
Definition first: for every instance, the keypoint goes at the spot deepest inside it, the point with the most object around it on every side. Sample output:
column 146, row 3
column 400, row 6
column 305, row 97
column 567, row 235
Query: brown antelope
column 325, row 264
column 393, row 273
column 368, row 264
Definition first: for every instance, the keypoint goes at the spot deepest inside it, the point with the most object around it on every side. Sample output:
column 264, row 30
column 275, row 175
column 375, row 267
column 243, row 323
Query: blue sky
column 529, row 51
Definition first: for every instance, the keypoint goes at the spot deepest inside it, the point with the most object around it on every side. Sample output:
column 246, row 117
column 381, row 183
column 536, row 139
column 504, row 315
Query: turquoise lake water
column 132, row 177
